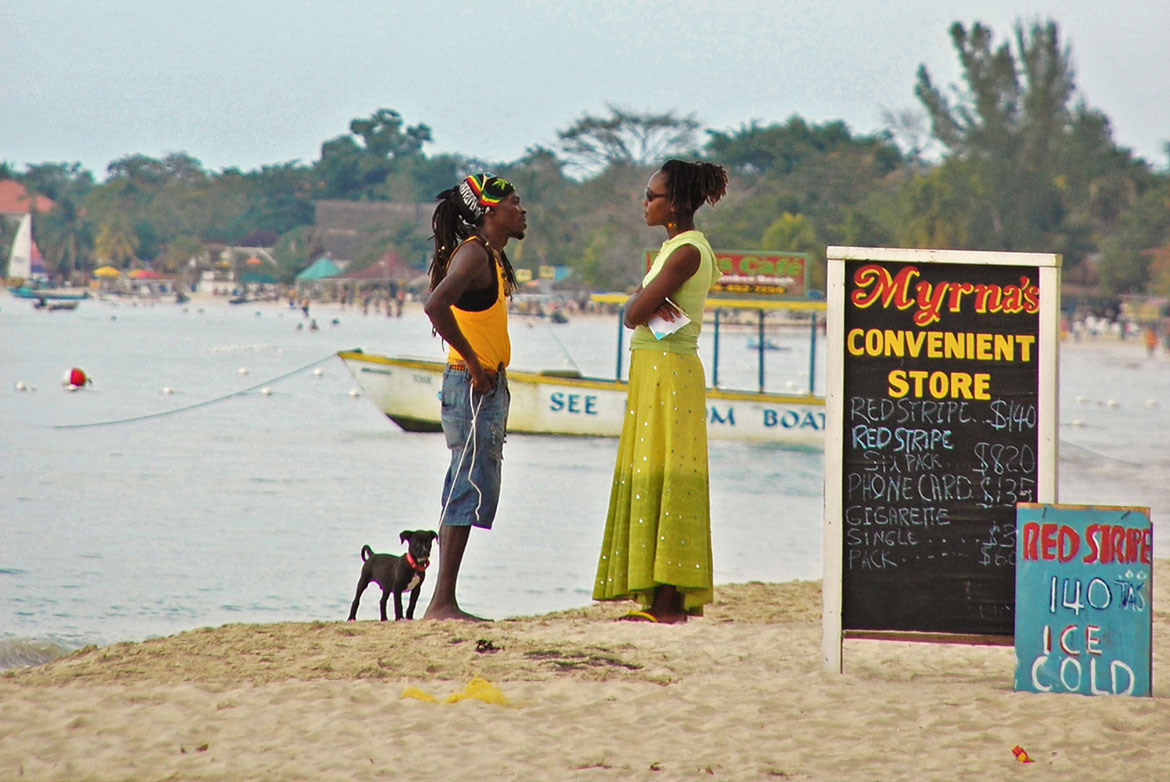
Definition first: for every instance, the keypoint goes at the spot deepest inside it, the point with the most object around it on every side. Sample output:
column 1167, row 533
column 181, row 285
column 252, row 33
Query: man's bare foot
column 452, row 611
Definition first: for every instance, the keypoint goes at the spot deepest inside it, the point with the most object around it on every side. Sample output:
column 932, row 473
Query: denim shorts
column 474, row 426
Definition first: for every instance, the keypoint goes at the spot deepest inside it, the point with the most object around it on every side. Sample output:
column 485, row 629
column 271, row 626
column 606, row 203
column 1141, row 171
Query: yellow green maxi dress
column 658, row 529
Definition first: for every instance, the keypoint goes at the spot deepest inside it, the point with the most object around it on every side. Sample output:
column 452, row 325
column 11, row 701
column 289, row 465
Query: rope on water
column 206, row 403
column 1064, row 442
column 564, row 350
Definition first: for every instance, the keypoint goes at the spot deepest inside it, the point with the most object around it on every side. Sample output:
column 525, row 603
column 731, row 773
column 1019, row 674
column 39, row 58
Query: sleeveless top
column 691, row 296
column 486, row 330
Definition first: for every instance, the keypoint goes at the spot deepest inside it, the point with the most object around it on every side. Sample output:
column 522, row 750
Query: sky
column 248, row 83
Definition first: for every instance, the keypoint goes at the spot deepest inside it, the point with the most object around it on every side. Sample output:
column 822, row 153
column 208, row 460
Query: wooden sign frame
column 1041, row 270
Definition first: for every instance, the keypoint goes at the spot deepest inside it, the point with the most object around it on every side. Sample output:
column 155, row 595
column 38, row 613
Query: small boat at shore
column 559, row 402
column 56, row 304
column 48, row 294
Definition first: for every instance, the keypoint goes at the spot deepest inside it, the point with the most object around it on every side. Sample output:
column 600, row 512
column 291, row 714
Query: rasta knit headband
column 476, row 193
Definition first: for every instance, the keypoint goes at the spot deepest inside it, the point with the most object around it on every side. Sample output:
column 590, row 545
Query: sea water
column 222, row 468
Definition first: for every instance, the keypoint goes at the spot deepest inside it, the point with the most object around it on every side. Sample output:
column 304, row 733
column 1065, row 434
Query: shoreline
column 737, row 694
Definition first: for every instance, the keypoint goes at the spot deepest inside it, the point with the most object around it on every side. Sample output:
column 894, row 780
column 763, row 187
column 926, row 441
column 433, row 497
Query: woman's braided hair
column 689, row 185
column 459, row 216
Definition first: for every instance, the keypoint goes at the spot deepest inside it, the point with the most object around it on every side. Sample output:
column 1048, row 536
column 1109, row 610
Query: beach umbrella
column 253, row 261
column 145, row 274
column 107, row 272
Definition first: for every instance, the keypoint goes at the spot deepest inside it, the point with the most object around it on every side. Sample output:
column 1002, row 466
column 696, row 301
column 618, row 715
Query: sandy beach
column 738, row 694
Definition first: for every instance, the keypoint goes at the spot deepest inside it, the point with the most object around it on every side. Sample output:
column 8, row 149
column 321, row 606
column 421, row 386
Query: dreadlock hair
column 689, row 185
column 449, row 229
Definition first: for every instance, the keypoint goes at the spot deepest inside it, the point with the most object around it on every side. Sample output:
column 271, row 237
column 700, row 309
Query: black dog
column 396, row 574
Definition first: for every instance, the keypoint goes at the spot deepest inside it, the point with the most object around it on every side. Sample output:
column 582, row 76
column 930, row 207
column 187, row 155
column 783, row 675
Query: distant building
column 352, row 230
column 16, row 202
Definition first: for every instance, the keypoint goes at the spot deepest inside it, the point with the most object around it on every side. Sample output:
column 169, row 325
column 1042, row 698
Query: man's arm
column 467, row 270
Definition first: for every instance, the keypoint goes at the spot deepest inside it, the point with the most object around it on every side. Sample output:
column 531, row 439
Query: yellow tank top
column 486, row 331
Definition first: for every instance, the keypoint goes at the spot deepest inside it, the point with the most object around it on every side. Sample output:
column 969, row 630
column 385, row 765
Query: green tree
column 384, row 136
column 65, row 236
column 64, row 233
column 360, row 171
column 116, row 242
column 607, row 216
column 1125, row 260
column 183, row 255
column 838, row 181
column 626, row 138
column 605, row 262
column 790, row 233
column 938, row 205
column 551, row 199
column 161, row 198
column 786, row 149
column 1159, row 271
column 339, row 171
column 418, row 179
column 1034, row 168
column 274, row 198
column 1007, row 127
column 795, row 233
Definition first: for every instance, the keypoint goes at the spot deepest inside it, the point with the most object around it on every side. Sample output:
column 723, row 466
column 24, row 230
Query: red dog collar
column 410, row 561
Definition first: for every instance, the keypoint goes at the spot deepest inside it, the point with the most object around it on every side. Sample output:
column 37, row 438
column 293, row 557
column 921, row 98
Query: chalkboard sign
column 1084, row 599
column 937, row 413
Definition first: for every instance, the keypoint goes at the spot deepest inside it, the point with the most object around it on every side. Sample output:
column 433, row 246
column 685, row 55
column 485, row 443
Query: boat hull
column 408, row 391
column 47, row 294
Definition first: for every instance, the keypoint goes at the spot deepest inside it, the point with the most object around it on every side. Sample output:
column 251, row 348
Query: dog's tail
column 367, row 552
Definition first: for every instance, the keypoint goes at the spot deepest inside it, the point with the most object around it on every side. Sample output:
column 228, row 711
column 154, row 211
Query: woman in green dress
column 657, row 543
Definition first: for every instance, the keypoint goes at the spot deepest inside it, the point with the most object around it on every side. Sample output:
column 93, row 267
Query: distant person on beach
column 471, row 280
column 657, row 543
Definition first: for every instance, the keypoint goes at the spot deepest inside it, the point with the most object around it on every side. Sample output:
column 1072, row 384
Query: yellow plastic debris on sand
column 476, row 689
column 417, row 694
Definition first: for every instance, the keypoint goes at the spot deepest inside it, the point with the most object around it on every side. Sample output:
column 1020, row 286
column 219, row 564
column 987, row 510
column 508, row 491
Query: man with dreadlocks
column 471, row 278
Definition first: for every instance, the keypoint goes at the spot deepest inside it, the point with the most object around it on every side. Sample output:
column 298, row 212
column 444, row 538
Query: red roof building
column 14, row 199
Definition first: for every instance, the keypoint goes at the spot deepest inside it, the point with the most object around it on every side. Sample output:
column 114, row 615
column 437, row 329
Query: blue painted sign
column 1084, row 599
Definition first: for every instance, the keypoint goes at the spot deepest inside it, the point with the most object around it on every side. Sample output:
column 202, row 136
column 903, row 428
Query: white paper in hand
column 661, row 327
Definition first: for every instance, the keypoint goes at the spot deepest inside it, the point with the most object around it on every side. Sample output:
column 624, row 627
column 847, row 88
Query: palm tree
column 116, row 241
column 65, row 236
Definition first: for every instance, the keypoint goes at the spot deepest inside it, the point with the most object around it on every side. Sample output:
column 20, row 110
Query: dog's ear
column 405, row 536
column 434, row 535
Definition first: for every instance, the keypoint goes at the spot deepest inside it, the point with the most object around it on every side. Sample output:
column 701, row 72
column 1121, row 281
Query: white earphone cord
column 474, row 441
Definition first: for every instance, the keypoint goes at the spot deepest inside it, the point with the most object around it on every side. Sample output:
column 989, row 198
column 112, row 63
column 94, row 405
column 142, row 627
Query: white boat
column 564, row 403
column 407, row 391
